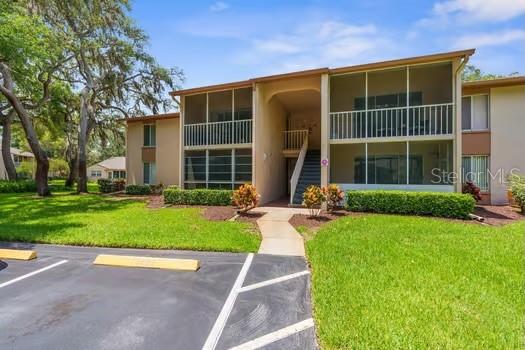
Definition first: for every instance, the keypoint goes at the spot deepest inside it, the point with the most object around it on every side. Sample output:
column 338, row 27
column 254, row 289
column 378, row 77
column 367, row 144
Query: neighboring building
column 111, row 168
column 389, row 125
column 18, row 156
column 493, row 123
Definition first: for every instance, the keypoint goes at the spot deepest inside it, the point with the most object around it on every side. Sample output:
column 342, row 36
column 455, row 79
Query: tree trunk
column 82, row 141
column 6, row 146
column 42, row 163
column 72, row 162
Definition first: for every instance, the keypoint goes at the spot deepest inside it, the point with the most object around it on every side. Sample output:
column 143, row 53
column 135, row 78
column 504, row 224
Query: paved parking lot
column 62, row 301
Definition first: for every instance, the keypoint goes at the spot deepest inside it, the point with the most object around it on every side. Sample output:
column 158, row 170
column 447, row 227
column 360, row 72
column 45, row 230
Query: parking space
column 62, row 301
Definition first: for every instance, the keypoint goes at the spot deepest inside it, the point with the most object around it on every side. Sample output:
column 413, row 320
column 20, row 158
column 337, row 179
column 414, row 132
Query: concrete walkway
column 278, row 236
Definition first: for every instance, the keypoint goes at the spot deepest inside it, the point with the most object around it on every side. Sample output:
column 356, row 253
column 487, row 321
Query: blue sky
column 222, row 41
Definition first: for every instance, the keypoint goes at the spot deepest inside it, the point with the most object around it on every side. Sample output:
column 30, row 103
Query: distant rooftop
column 114, row 163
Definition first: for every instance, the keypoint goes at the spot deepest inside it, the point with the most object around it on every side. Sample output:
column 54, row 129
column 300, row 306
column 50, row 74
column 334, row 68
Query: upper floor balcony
column 406, row 102
column 231, row 132
column 217, row 119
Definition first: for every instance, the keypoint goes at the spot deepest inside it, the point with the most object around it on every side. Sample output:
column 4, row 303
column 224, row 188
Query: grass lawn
column 393, row 282
column 93, row 220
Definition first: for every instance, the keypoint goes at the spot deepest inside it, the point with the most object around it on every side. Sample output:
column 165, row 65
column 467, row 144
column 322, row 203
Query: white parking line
column 275, row 336
column 215, row 333
column 5, row 284
column 273, row 281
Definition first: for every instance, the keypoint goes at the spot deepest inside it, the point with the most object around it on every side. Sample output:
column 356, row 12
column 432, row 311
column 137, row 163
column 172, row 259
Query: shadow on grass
column 12, row 233
column 31, row 207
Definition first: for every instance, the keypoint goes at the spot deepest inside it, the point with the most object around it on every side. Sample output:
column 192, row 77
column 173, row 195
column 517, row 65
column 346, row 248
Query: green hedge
column 449, row 205
column 138, row 189
column 109, row 186
column 197, row 197
column 17, row 186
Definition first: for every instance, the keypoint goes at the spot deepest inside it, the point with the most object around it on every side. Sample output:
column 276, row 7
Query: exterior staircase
column 310, row 175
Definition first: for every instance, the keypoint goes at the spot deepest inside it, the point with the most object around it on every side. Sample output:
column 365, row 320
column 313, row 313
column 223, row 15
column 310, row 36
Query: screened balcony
column 218, row 119
column 402, row 102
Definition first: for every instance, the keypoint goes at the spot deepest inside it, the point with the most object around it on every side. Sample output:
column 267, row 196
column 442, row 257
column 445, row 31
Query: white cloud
column 471, row 11
column 219, row 6
column 486, row 10
column 490, row 39
column 328, row 43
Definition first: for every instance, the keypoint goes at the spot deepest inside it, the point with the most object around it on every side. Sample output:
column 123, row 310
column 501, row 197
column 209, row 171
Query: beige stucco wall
column 270, row 177
column 168, row 151
column 507, row 123
column 103, row 171
column 134, row 142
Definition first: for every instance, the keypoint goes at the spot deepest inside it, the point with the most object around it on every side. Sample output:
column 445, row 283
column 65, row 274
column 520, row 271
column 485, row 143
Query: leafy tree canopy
column 473, row 73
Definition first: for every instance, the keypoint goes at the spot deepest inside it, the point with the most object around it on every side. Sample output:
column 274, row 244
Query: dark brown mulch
column 217, row 213
column 494, row 215
column 249, row 217
column 316, row 221
column 498, row 215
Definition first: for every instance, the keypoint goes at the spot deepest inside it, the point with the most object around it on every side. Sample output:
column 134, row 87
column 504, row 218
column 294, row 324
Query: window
column 150, row 135
column 217, row 169
column 119, row 174
column 150, row 173
column 387, row 163
column 243, row 165
column 220, row 166
column 195, row 167
column 96, row 173
column 475, row 112
column 475, row 169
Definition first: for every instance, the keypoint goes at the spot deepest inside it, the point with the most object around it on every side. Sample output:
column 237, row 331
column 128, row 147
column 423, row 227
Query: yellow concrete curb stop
column 147, row 262
column 17, row 254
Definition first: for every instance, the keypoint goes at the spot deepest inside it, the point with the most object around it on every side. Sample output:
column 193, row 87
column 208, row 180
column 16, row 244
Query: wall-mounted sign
column 324, row 162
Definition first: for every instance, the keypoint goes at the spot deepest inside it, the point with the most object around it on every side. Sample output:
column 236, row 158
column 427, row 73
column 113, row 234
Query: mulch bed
column 498, row 215
column 315, row 222
column 494, row 215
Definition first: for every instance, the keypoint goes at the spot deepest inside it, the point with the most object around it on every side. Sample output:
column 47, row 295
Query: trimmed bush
column 197, row 197
column 449, row 205
column 105, row 185
column 17, row 186
column 109, row 186
column 138, row 189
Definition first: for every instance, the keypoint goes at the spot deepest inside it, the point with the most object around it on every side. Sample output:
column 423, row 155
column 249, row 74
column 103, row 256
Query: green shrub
column 17, row 186
column 197, row 197
column 517, row 188
column 105, row 185
column 449, row 205
column 138, row 189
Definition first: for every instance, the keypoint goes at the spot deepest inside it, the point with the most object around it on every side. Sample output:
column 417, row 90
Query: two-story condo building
column 405, row 124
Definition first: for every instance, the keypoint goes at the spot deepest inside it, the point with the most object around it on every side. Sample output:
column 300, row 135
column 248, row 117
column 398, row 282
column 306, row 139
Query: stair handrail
column 298, row 167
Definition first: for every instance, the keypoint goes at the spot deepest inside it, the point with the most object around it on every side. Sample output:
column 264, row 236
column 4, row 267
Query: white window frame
column 472, row 156
column 471, row 97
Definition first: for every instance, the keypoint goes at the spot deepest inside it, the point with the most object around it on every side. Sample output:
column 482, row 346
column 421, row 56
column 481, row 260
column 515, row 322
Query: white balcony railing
column 294, row 139
column 218, row 133
column 426, row 120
